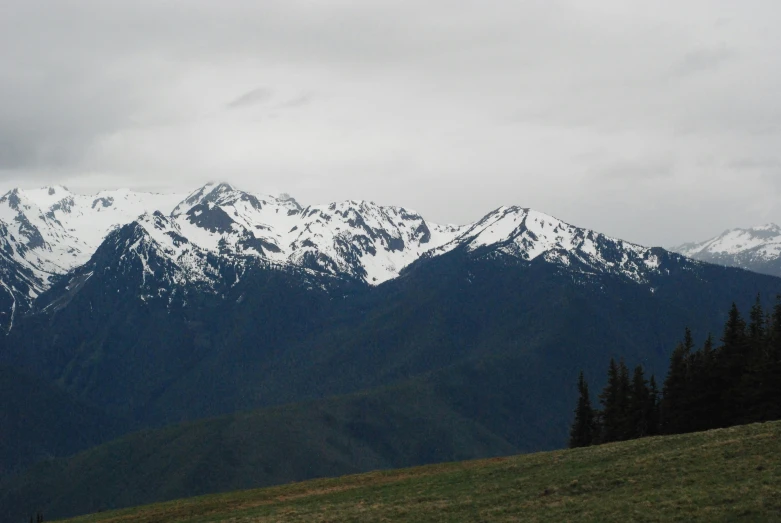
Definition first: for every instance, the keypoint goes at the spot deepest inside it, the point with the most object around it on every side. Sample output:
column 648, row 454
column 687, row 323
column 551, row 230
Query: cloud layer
column 655, row 122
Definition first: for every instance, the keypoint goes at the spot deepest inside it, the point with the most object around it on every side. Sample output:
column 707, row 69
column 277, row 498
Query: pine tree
column 688, row 341
column 610, row 415
column 752, row 386
column 654, row 411
column 674, row 400
column 625, row 421
column 706, row 411
column 640, row 405
column 734, row 329
column 731, row 363
column 756, row 328
column 769, row 387
column 615, row 419
column 707, row 349
column 582, row 432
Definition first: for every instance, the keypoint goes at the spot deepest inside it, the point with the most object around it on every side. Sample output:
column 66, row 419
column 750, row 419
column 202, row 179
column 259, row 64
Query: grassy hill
column 729, row 474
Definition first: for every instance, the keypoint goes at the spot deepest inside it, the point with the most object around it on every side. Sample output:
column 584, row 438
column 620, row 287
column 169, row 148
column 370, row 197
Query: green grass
column 722, row 475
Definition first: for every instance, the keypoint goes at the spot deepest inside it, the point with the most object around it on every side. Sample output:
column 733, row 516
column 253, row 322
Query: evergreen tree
column 752, row 386
column 582, row 432
column 615, row 419
column 688, row 341
column 610, row 416
column 734, row 329
column 706, row 411
column 708, row 350
column 731, row 364
column 626, row 425
column 674, row 401
column 654, row 407
column 768, row 400
column 640, row 405
column 756, row 328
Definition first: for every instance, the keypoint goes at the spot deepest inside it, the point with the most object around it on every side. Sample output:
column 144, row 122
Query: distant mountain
column 756, row 249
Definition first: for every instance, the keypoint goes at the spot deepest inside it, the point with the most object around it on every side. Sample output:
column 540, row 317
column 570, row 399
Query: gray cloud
column 702, row 60
column 647, row 169
column 298, row 101
column 257, row 96
column 626, row 117
column 743, row 164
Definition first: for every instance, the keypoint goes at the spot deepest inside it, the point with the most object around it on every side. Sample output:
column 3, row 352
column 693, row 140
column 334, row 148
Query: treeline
column 734, row 383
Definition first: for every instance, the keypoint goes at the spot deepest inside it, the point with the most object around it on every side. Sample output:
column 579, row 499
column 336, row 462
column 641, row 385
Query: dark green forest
column 734, row 383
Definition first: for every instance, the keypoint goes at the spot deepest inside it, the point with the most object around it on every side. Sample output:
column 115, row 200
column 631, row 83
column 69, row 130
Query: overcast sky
column 658, row 122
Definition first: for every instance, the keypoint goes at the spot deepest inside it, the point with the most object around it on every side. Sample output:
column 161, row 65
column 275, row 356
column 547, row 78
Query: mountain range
column 49, row 232
column 365, row 334
column 756, row 249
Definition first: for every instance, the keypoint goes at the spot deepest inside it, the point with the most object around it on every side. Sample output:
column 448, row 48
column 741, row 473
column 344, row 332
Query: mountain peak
column 529, row 235
column 208, row 193
column 43, row 198
column 223, row 187
column 215, row 189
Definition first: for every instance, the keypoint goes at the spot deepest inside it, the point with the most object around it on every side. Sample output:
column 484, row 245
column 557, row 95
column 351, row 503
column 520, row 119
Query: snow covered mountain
column 216, row 232
column 44, row 233
column 757, row 249
column 527, row 234
column 48, row 232
column 358, row 239
column 55, row 230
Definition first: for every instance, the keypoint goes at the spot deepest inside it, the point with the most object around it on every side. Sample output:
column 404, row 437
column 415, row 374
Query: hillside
column 422, row 421
column 719, row 475
column 40, row 421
